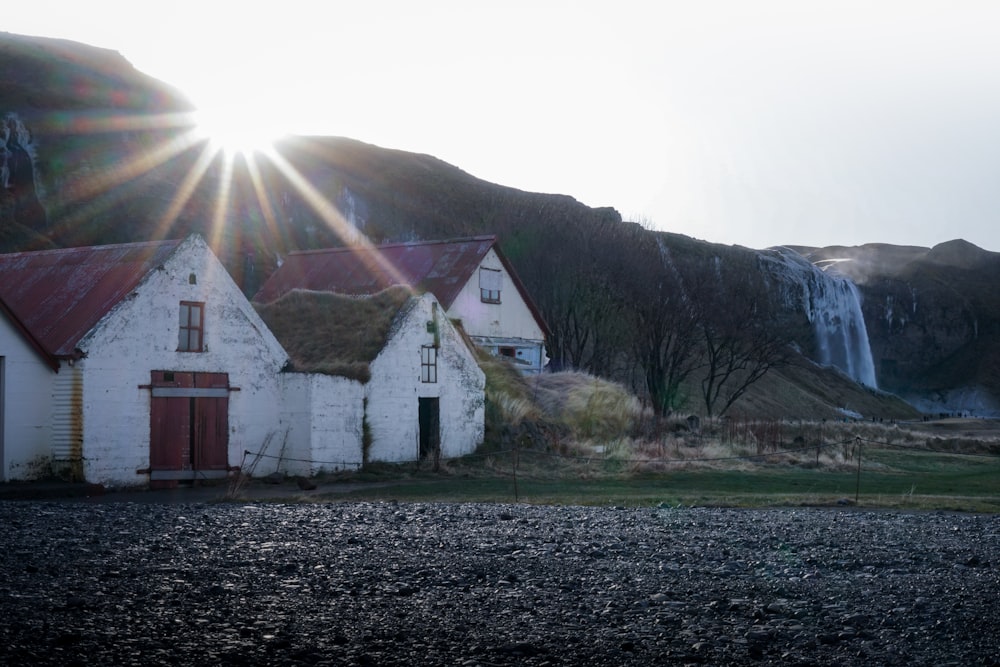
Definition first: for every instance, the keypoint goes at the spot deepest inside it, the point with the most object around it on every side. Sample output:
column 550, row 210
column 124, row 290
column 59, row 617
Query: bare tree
column 665, row 323
column 573, row 285
column 740, row 343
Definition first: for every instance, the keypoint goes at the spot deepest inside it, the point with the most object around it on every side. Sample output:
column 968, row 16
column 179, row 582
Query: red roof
column 57, row 296
column 439, row 267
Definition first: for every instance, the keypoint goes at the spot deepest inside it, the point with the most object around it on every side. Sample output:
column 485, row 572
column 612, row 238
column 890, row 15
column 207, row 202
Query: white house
column 133, row 363
column 379, row 378
column 470, row 277
column 26, row 373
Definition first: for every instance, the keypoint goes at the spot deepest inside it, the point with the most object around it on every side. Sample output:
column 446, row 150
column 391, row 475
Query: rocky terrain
column 404, row 584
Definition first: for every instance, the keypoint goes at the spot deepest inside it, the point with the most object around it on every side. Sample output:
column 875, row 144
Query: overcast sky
column 756, row 123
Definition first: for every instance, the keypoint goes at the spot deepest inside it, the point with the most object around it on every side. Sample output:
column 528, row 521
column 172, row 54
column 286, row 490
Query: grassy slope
column 804, row 390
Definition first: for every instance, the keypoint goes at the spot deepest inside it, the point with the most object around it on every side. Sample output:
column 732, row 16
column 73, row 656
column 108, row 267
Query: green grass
column 889, row 479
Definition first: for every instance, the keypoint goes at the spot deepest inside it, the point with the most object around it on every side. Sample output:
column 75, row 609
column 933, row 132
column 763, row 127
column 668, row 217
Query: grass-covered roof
column 332, row 333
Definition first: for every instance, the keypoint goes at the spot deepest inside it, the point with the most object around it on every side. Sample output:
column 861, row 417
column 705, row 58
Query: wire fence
column 547, row 463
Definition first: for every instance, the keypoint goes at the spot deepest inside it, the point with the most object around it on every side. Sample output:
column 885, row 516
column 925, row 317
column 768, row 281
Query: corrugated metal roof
column 57, row 296
column 439, row 267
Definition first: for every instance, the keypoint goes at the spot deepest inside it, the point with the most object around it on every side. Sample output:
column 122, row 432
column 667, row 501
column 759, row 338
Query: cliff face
column 933, row 318
column 94, row 152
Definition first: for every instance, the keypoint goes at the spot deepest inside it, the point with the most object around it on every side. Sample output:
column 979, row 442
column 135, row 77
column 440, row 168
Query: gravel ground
column 406, row 584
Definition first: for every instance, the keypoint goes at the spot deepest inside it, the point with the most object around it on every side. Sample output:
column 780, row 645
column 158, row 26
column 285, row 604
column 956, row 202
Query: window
column 428, row 364
column 192, row 329
column 490, row 284
column 508, row 352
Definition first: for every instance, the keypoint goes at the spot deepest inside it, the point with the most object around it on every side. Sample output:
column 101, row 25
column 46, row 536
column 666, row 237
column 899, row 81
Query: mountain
column 96, row 152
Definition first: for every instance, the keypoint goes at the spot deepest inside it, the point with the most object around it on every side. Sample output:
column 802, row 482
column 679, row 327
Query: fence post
column 857, row 488
column 515, row 462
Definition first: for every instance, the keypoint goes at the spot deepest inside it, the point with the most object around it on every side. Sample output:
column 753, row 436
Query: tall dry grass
column 589, row 407
column 593, row 425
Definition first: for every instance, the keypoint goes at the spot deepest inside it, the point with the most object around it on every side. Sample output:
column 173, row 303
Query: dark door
column 430, row 429
column 189, row 426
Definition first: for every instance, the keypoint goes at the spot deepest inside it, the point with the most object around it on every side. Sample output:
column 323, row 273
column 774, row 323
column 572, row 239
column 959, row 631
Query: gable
column 8, row 319
column 154, row 320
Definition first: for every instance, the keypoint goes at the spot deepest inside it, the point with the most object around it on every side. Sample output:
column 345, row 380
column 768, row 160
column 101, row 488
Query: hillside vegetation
column 686, row 326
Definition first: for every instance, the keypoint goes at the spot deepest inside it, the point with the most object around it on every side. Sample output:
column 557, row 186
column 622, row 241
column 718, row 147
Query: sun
column 237, row 130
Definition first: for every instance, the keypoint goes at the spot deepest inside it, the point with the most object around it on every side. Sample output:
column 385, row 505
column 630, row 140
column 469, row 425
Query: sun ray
column 99, row 122
column 333, row 218
column 221, row 204
column 87, row 190
column 184, row 192
column 267, row 210
column 319, row 203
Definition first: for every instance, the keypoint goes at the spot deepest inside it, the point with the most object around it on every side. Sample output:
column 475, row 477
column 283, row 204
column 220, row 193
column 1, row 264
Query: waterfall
column 832, row 304
column 841, row 335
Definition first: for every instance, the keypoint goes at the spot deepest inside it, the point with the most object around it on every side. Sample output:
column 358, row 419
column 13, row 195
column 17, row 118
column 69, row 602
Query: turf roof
column 332, row 333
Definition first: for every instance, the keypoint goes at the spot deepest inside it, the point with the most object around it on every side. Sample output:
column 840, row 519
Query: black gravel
column 407, row 584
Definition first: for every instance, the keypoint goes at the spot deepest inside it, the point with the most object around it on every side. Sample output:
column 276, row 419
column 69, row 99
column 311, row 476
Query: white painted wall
column 395, row 387
column 323, row 417
column 27, row 404
column 511, row 318
column 141, row 335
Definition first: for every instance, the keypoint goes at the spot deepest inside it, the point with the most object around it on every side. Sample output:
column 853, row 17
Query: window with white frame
column 428, row 364
column 490, row 284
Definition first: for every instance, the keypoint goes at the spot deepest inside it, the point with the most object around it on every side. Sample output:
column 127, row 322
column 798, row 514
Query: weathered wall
column 296, row 424
column 141, row 335
column 24, row 415
column 395, row 388
column 322, row 416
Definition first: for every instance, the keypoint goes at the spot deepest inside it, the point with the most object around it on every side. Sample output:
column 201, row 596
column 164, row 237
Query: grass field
column 891, row 475
column 570, row 438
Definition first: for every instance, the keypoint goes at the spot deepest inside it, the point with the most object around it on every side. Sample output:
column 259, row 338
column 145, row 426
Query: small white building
column 470, row 277
column 379, row 378
column 132, row 364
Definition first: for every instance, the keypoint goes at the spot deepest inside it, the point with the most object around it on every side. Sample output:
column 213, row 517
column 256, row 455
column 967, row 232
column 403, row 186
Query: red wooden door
column 211, row 419
column 170, row 423
column 189, row 426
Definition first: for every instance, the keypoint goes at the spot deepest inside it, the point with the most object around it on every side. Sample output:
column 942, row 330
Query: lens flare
column 235, row 131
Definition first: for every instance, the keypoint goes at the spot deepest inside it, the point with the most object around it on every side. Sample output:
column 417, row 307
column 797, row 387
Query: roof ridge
column 92, row 248
column 400, row 244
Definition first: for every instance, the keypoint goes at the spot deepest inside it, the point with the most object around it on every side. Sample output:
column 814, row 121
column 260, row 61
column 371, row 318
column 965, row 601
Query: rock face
column 418, row 584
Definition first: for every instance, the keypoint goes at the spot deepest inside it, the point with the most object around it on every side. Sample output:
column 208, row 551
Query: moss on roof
column 332, row 333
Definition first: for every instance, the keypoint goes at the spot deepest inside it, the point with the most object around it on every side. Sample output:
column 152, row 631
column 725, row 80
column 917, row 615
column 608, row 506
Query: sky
column 756, row 123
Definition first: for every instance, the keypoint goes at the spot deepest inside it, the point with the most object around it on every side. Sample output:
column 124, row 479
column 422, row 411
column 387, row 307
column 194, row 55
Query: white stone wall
column 296, row 423
column 141, row 335
column 395, row 388
column 323, row 418
column 27, row 403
